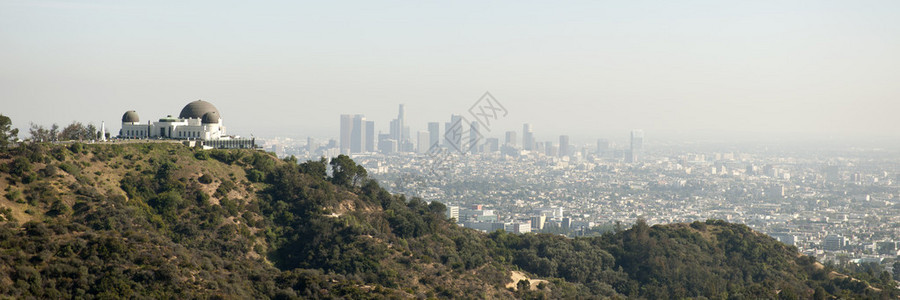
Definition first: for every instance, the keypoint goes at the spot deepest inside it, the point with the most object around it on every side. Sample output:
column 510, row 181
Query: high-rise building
column 422, row 139
column 563, row 145
column 399, row 129
column 474, row 138
column 346, row 128
column 395, row 129
column 453, row 212
column 527, row 137
column 537, row 223
column 434, row 133
column 834, row 242
column 407, row 139
column 491, row 145
column 511, row 138
column 637, row 140
column 370, row 136
column 386, row 144
column 404, row 131
column 357, row 134
column 637, row 146
column 453, row 132
column 602, row 146
column 310, row 145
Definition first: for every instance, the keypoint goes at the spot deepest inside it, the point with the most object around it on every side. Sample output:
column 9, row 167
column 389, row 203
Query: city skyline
column 357, row 135
column 765, row 70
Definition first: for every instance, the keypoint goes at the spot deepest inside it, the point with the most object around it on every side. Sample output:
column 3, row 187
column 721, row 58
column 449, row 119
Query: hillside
column 165, row 220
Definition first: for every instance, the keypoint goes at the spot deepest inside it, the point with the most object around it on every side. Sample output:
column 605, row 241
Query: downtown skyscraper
column 636, row 148
column 434, row 134
column 346, row 128
column 358, row 134
column 564, row 146
column 527, row 137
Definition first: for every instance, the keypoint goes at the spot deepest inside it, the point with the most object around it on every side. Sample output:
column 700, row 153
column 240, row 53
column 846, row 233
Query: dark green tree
column 896, row 270
column 39, row 133
column 7, row 133
column 316, row 169
column 78, row 131
column 344, row 171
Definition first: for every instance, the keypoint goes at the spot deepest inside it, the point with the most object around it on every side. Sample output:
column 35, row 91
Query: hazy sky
column 698, row 69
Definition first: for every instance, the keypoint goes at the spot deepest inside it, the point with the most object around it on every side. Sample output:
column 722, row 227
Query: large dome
column 130, row 117
column 196, row 110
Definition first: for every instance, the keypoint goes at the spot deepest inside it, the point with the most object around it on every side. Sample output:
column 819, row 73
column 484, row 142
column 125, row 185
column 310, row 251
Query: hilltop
column 165, row 220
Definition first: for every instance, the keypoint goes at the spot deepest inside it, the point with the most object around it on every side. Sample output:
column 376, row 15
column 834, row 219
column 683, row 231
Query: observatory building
column 198, row 120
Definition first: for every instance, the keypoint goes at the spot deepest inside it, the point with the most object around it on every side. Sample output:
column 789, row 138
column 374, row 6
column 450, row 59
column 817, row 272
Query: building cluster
column 836, row 204
column 198, row 121
column 831, row 204
column 358, row 136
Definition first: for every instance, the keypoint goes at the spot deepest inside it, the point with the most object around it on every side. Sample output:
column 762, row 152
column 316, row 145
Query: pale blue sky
column 692, row 69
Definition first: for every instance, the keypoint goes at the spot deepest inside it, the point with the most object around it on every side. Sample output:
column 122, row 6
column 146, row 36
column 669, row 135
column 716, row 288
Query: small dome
column 130, row 117
column 211, row 118
column 196, row 110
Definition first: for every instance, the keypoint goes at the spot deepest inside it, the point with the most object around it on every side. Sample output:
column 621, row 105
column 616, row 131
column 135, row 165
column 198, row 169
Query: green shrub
column 70, row 168
column 255, row 176
column 49, row 171
column 19, row 166
column 76, row 147
column 13, row 194
column 201, row 155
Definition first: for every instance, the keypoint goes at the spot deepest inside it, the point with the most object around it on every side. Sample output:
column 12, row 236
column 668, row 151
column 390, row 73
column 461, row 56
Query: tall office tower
column 422, row 139
column 399, row 130
column 357, row 134
column 434, row 133
column 311, row 145
column 474, row 138
column 637, row 146
column 602, row 146
column 637, row 140
column 386, row 144
column 407, row 138
column 346, row 125
column 446, row 140
column 563, row 145
column 550, row 149
column 511, row 138
column 395, row 129
column 537, row 222
column 491, row 145
column 527, row 137
column 404, row 132
column 370, row 136
column 453, row 132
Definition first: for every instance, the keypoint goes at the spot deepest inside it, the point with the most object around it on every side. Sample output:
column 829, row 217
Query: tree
column 54, row 132
column 39, row 133
column 896, row 270
column 78, row 131
column 344, row 171
column 317, row 169
column 7, row 133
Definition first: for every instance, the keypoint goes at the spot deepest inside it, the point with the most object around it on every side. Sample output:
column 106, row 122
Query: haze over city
column 697, row 70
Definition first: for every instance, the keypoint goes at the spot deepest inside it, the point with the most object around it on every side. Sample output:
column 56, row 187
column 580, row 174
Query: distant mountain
column 161, row 220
